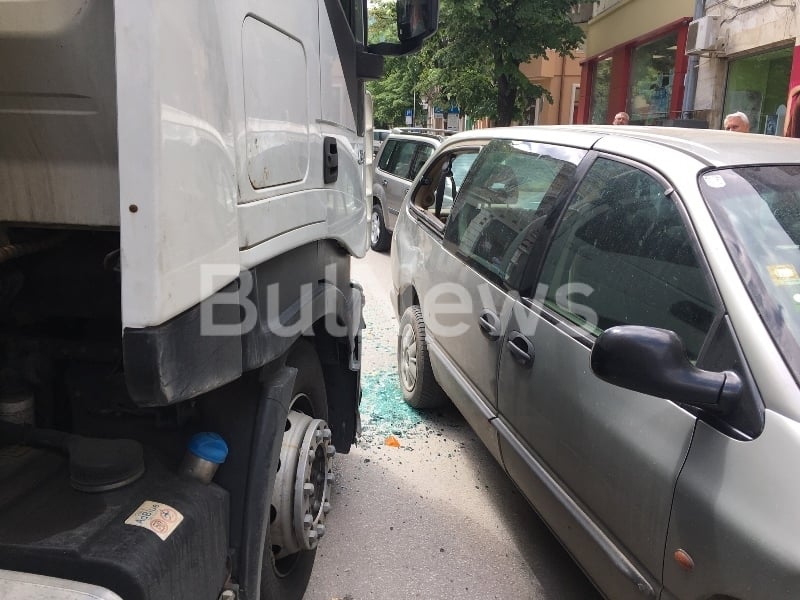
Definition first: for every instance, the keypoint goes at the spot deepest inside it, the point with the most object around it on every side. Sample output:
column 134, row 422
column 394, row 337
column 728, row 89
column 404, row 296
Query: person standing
column 792, row 126
column 621, row 118
column 737, row 121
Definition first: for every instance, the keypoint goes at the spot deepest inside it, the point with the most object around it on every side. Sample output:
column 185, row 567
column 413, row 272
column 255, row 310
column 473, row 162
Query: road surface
column 436, row 517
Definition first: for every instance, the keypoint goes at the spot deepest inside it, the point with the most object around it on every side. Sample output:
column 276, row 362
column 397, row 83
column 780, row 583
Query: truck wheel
column 302, row 491
column 379, row 236
column 420, row 389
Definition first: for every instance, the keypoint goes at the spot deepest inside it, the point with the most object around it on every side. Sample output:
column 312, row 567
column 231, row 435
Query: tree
column 395, row 92
column 474, row 59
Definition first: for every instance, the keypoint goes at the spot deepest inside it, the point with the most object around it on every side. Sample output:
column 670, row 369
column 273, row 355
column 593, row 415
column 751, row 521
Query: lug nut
column 308, row 520
column 308, row 489
column 320, row 530
column 326, row 507
column 330, row 451
column 326, row 434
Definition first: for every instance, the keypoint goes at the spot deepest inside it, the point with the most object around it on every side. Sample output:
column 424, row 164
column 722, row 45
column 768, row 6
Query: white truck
column 182, row 186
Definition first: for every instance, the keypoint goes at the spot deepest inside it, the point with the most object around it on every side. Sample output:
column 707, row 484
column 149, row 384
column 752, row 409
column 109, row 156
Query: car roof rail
column 423, row 130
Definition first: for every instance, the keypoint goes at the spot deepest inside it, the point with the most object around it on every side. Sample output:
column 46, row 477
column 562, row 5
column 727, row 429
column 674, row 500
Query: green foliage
column 394, row 92
column 473, row 61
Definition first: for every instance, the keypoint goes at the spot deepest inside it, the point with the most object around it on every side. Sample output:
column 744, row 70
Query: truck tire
column 285, row 576
column 379, row 236
column 420, row 389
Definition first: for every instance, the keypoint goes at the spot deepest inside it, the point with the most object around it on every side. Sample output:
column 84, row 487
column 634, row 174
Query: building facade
column 561, row 76
column 747, row 59
column 691, row 62
column 635, row 61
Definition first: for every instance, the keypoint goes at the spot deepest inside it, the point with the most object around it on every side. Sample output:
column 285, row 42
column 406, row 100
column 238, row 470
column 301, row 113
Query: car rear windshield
column 757, row 210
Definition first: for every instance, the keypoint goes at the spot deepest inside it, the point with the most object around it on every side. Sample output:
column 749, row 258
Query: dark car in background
column 378, row 137
column 616, row 313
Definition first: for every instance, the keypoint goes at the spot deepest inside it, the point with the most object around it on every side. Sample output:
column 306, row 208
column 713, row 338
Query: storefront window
column 652, row 73
column 757, row 86
column 602, row 81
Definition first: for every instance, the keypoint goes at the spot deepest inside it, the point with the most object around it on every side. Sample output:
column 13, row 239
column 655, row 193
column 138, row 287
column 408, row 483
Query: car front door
column 471, row 289
column 601, row 462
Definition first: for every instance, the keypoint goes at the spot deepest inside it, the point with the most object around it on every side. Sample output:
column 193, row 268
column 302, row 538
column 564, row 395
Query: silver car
column 401, row 156
column 616, row 313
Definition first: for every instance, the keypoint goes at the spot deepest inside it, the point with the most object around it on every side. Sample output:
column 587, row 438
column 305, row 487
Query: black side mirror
column 653, row 361
column 417, row 20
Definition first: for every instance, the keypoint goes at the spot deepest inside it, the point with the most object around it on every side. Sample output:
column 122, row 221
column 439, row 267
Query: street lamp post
column 423, row 100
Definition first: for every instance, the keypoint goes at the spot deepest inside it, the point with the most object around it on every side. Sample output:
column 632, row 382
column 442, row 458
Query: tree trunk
column 506, row 98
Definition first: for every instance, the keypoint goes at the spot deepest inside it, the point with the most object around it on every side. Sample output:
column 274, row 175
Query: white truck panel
column 336, row 108
column 276, row 105
column 198, row 110
column 176, row 154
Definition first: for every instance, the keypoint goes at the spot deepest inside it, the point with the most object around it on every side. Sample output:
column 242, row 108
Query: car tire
column 420, row 389
column 379, row 236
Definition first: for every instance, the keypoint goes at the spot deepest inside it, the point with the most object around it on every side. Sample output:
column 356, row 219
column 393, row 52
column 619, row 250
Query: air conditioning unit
column 703, row 35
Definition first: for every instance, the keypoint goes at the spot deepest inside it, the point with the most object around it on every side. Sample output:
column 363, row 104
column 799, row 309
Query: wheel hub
column 408, row 358
column 376, row 228
column 301, row 498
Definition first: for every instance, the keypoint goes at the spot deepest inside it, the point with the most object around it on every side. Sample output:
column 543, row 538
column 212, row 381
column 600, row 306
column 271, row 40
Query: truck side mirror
column 414, row 19
column 417, row 20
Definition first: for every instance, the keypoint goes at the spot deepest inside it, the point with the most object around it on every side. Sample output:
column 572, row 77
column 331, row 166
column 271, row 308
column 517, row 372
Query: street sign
column 409, row 116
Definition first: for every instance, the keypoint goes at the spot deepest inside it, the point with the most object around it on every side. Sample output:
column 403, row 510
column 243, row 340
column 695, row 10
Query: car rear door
column 601, row 462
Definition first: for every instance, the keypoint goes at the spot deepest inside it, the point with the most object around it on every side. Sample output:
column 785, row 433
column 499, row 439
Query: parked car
column 378, row 136
column 400, row 158
column 616, row 313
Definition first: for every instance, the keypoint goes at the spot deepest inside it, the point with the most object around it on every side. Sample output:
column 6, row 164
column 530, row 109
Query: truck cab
column 183, row 187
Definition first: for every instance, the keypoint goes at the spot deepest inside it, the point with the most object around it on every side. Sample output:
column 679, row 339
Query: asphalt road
column 435, row 517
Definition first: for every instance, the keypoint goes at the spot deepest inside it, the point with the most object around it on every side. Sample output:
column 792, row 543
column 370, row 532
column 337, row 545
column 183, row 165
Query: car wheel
column 379, row 236
column 420, row 389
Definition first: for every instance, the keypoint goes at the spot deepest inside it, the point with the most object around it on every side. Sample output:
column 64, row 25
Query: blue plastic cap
column 209, row 446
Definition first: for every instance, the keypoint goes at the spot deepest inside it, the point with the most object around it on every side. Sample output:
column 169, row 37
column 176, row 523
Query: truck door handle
column 385, row 183
column 521, row 348
column 330, row 160
column 490, row 324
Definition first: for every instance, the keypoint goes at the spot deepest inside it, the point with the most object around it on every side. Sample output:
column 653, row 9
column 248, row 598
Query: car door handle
column 521, row 348
column 490, row 324
column 385, row 182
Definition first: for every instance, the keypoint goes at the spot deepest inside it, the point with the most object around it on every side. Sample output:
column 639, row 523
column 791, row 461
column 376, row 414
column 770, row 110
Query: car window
column 622, row 255
column 757, row 211
column 435, row 193
column 389, row 147
column 399, row 162
column 424, row 152
column 507, row 194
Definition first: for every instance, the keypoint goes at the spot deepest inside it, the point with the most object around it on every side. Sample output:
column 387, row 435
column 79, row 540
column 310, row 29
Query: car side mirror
column 653, row 361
